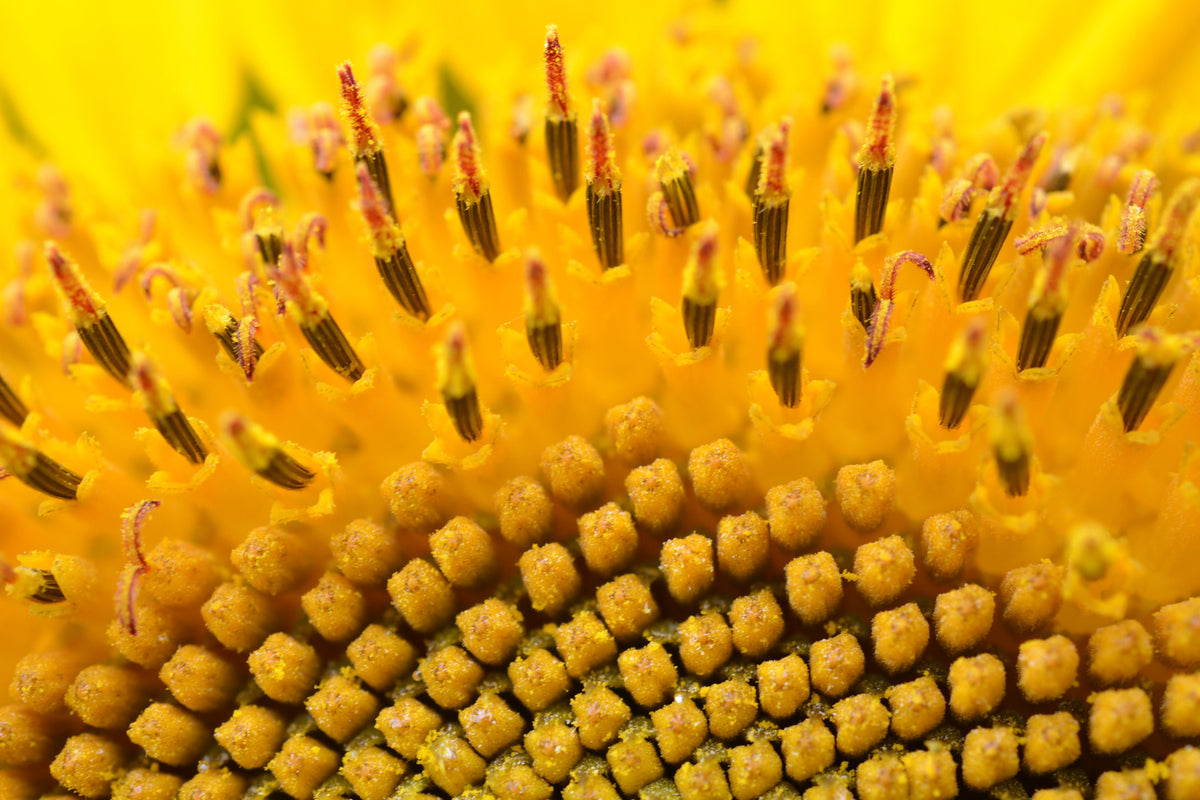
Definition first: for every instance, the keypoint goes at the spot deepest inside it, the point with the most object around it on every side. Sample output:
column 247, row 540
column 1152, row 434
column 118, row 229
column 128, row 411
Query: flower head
column 708, row 499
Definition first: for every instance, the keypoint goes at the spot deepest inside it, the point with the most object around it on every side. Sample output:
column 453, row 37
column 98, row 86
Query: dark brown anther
column 35, row 469
column 562, row 132
column 965, row 367
column 48, row 590
column 11, row 407
column 1011, row 444
column 1145, row 287
column 231, row 334
column 876, row 161
column 159, row 404
column 863, row 296
column 365, row 141
column 260, row 452
column 456, row 380
column 605, row 218
column 1161, row 258
column 1047, row 302
column 89, row 314
column 269, row 238
column 987, row 237
column 543, row 317
column 312, row 315
column 328, row 341
column 472, row 197
column 771, row 201
column 702, row 282
column 392, row 260
column 995, row 221
column 784, row 353
column 870, row 201
column 679, row 193
column 1157, row 354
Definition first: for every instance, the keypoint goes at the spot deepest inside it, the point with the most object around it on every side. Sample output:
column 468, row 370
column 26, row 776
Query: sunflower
column 697, row 401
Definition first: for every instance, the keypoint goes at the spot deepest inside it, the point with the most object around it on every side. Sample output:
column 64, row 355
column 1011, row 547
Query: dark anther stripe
column 956, row 399
column 328, row 342
column 870, row 201
column 785, row 378
column 605, row 221
column 562, row 151
column 987, row 238
column 770, row 238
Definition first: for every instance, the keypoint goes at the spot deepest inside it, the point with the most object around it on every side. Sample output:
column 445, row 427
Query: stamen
column 246, row 285
column 1057, row 176
column 387, row 99
column 237, row 339
column 14, row 293
column 760, row 150
column 456, row 381
column 131, row 259
column 562, row 135
column 327, row 139
column 981, row 171
column 876, row 160
column 1089, row 237
column 521, row 118
column 33, row 584
column 604, row 194
column 1091, row 242
column 311, row 312
column 771, row 200
column 995, row 221
column 261, row 453
column 311, row 226
column 179, row 303
column 956, row 201
column 862, row 294
column 53, row 214
column 882, row 317
column 678, row 191
column 391, row 253
column 1047, row 302
column 1159, row 263
column 702, row 283
column 366, row 144
column 34, row 469
column 132, row 520
column 841, row 85
column 1157, row 354
column 11, row 406
column 268, row 233
column 965, row 367
column 254, row 201
column 248, row 348
column 786, row 338
column 659, row 216
column 431, row 150
column 543, row 321
column 202, row 145
column 89, row 314
column 1011, row 444
column 159, row 404
column 1039, row 239
column 180, row 296
column 471, row 192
